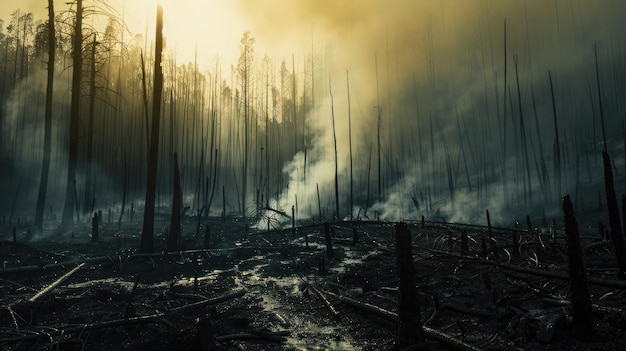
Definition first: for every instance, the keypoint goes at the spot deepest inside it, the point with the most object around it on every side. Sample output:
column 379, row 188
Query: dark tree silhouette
column 147, row 235
column 245, row 71
column 47, row 138
column 174, row 236
column 77, row 62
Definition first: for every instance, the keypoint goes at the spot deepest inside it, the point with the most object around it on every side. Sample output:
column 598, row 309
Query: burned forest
column 312, row 175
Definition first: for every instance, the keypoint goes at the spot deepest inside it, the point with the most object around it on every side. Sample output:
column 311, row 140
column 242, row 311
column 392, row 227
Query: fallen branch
column 393, row 317
column 153, row 318
column 606, row 312
column 101, row 259
column 56, row 283
column 279, row 336
column 610, row 283
column 282, row 213
column 329, row 306
column 464, row 310
column 195, row 297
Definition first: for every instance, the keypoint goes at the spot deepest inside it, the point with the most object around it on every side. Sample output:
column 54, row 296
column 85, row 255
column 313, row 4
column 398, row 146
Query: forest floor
column 273, row 290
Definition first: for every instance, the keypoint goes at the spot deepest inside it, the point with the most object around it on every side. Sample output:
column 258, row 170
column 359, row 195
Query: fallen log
column 279, row 336
column 327, row 303
column 56, row 283
column 610, row 283
column 152, row 318
column 429, row 333
column 605, row 312
column 101, row 259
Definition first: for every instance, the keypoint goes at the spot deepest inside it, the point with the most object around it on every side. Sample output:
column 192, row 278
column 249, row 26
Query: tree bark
column 88, row 198
column 77, row 63
column 581, row 303
column 147, row 235
column 47, row 138
column 409, row 328
column 614, row 217
column 174, row 237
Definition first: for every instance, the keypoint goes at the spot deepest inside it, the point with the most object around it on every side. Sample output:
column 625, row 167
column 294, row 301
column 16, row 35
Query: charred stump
column 515, row 244
column 493, row 245
column 94, row 227
column 624, row 212
column 489, row 230
column 329, row 243
column 293, row 222
column 580, row 301
column 464, row 247
column 409, row 328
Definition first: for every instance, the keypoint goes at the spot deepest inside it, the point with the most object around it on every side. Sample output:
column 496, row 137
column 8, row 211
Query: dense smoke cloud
column 448, row 55
column 433, row 70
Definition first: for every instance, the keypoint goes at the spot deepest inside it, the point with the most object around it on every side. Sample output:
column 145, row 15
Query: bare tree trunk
column 47, row 138
column 350, row 143
column 174, row 237
column 614, row 220
column 581, row 305
column 77, row 62
column 557, row 143
column 332, row 109
column 147, row 235
column 528, row 197
column 595, row 51
column 145, row 100
column 87, row 203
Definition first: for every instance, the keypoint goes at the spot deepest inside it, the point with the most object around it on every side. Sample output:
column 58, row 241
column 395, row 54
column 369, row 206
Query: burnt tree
column 147, row 235
column 47, row 137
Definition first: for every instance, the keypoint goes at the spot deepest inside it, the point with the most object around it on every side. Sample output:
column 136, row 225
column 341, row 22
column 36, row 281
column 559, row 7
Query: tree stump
column 329, row 243
column 94, row 227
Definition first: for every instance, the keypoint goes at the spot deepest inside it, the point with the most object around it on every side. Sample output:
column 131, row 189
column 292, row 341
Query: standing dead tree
column 332, row 109
column 581, row 304
column 47, row 138
column 409, row 328
column 174, row 236
column 147, row 235
column 77, row 62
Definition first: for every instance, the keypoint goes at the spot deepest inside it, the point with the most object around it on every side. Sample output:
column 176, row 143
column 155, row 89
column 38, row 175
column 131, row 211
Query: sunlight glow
column 210, row 27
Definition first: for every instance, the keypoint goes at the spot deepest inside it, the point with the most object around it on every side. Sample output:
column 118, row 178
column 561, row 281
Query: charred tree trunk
column 350, row 144
column 147, row 235
column 95, row 222
column 557, row 143
column 329, row 243
column 174, row 237
column 47, row 138
column 77, row 63
column 332, row 109
column 409, row 328
column 581, row 304
column 87, row 203
column 614, row 220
